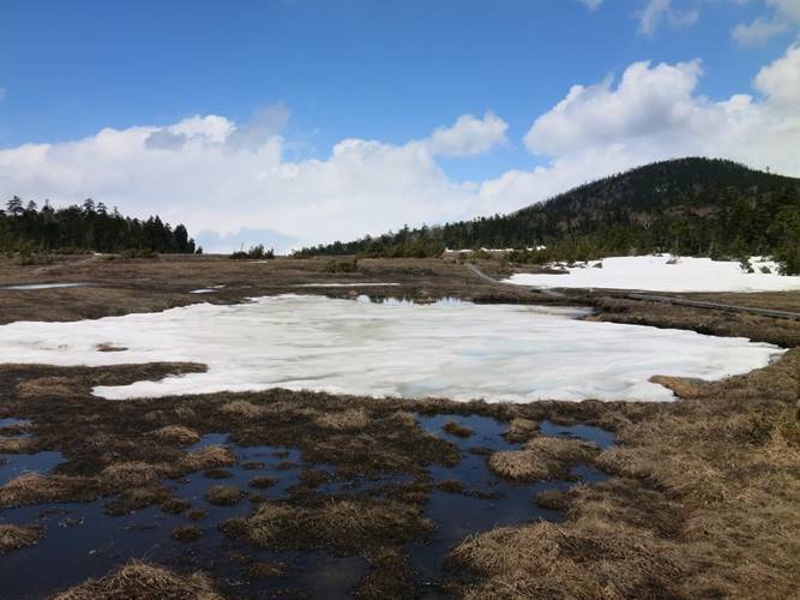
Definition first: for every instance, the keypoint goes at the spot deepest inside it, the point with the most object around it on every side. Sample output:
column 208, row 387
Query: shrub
column 254, row 252
column 342, row 266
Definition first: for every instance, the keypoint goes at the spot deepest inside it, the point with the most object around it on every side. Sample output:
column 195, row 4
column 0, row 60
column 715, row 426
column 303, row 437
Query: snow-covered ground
column 453, row 349
column 665, row 273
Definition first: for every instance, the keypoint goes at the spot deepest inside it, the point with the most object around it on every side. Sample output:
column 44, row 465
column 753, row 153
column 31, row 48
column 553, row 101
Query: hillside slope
column 694, row 206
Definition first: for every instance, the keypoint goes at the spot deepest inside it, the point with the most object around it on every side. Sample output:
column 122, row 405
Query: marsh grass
column 542, row 458
column 14, row 537
column 458, row 430
column 34, row 488
column 224, row 495
column 356, row 418
column 176, row 434
column 139, row 580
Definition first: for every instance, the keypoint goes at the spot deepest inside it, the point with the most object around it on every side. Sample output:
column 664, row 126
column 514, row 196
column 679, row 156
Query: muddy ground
column 245, row 495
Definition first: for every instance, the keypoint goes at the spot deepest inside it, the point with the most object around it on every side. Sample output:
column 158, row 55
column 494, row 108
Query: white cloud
column 655, row 113
column 759, row 31
column 592, row 4
column 468, row 135
column 221, row 177
column 654, row 13
column 780, row 81
column 785, row 16
column 216, row 176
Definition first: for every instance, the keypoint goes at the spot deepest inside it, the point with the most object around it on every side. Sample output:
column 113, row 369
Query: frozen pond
column 451, row 349
column 665, row 273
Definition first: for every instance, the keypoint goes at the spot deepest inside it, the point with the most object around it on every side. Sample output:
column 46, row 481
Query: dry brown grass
column 13, row 537
column 355, row 418
column 138, row 580
column 17, row 445
column 521, row 429
column 403, row 418
column 542, row 458
column 456, row 429
column 244, row 409
column 343, row 525
column 33, row 488
column 131, row 474
column 224, row 495
column 704, row 504
column 60, row 387
column 544, row 560
column 176, row 434
column 207, row 458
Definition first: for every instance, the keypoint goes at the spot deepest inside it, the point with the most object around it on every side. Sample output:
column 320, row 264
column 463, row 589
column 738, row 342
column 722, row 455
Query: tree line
column 27, row 227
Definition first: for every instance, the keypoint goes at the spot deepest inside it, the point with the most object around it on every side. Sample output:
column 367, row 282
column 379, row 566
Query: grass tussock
column 544, row 560
column 176, row 434
column 186, row 533
column 542, row 458
column 206, row 458
column 58, row 387
column 243, row 409
column 350, row 419
column 521, row 429
column 15, row 445
column 347, row 525
column 33, row 488
column 224, row 495
column 14, row 537
column 138, row 580
column 403, row 418
column 131, row 474
column 456, row 429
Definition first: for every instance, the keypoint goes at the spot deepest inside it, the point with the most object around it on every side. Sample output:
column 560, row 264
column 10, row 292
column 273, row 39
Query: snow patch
column 666, row 273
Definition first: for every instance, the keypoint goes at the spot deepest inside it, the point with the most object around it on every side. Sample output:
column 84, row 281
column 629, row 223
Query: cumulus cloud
column 784, row 16
column 654, row 112
column 234, row 182
column 468, row 135
column 780, row 81
column 656, row 11
column 219, row 177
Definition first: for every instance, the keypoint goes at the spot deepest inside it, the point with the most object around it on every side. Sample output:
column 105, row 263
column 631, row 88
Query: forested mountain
column 28, row 228
column 691, row 206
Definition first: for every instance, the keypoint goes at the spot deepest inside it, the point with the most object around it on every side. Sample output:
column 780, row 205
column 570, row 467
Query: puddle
column 14, row 465
column 204, row 291
column 500, row 503
column 83, row 541
column 44, row 286
column 602, row 438
column 14, row 423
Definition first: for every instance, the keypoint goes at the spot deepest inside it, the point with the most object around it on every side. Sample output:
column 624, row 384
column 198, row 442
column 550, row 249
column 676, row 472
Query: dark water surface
column 82, row 541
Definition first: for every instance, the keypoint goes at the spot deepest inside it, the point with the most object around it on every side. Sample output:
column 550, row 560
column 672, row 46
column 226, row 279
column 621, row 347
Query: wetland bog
column 278, row 492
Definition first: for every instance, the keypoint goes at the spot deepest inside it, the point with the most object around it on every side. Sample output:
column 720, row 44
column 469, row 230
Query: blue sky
column 372, row 70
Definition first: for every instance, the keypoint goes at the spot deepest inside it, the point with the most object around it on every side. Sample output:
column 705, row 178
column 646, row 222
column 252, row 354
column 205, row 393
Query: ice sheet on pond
column 43, row 286
column 457, row 350
column 666, row 273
